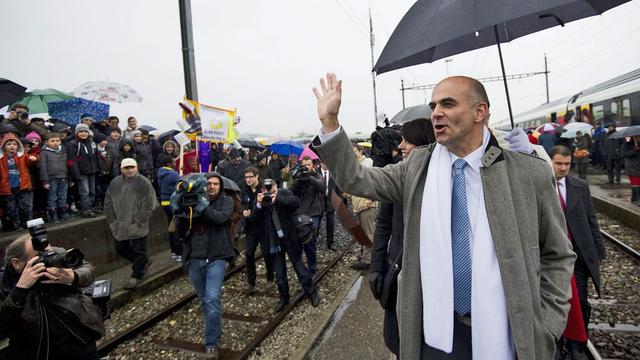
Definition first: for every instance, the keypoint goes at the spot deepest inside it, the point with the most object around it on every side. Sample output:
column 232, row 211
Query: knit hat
column 115, row 129
column 261, row 157
column 33, row 136
column 82, row 127
column 98, row 138
column 128, row 162
column 136, row 132
column 86, row 116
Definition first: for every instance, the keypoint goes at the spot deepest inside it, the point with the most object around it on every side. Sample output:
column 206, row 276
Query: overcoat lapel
column 572, row 195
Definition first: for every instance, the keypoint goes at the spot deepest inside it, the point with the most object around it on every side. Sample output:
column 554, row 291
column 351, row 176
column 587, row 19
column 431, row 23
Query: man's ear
column 16, row 264
column 481, row 112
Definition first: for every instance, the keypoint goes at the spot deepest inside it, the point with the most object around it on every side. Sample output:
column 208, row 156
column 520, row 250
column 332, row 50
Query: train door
column 621, row 112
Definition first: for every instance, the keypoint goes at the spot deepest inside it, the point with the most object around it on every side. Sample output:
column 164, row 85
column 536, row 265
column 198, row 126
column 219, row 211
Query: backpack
column 305, row 228
column 383, row 142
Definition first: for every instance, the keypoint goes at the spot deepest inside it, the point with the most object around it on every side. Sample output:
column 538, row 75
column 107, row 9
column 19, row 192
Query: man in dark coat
column 583, row 230
column 613, row 155
column 330, row 212
column 264, row 170
column 209, row 250
column 233, row 167
column 277, row 213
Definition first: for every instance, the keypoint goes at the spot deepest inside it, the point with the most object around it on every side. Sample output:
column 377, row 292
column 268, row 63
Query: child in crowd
column 106, row 168
column 39, row 193
column 126, row 150
column 167, row 179
column 15, row 182
column 53, row 174
column 144, row 155
column 82, row 161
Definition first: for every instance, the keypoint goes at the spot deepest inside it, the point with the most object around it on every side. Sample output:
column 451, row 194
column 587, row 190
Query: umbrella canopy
column 10, row 91
column 308, row 152
column 167, row 135
column 573, row 128
column 107, row 92
column 435, row 29
column 422, row 111
column 71, row 110
column 148, row 128
column 38, row 100
column 249, row 143
column 626, row 132
column 549, row 128
column 286, row 147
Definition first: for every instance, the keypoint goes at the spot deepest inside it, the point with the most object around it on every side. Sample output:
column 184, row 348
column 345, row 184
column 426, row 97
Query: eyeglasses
column 249, row 176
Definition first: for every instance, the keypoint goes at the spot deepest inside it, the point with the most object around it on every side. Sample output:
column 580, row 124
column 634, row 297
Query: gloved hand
column 375, row 283
column 519, row 141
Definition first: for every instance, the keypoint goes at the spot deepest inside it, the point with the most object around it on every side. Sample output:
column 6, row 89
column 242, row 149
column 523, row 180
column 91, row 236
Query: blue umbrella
column 286, row 147
column 71, row 110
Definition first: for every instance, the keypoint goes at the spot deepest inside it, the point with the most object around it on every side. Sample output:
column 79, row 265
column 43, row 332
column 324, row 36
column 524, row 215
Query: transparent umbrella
column 105, row 91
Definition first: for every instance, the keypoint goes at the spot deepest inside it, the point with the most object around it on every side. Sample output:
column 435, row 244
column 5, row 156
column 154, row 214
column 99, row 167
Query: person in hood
column 81, row 159
column 169, row 150
column 53, row 175
column 15, row 181
column 106, row 168
column 167, row 180
column 208, row 252
column 126, row 150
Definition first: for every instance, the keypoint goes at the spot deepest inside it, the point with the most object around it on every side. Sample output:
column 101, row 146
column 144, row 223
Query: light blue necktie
column 460, row 249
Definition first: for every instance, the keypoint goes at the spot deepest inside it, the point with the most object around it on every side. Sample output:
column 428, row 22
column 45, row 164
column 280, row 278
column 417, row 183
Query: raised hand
column 329, row 102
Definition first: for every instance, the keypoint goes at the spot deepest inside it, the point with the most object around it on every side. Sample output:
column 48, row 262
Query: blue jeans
column 310, row 247
column 87, row 191
column 207, row 278
column 57, row 195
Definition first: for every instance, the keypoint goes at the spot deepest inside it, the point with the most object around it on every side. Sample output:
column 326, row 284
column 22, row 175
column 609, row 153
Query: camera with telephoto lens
column 266, row 196
column 300, row 172
column 69, row 259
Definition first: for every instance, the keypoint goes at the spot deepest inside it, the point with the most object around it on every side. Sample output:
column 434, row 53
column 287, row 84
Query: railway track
column 266, row 324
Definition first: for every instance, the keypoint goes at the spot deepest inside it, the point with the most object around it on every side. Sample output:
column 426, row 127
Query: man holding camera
column 277, row 209
column 253, row 229
column 310, row 188
column 19, row 118
column 208, row 251
column 42, row 312
column 128, row 205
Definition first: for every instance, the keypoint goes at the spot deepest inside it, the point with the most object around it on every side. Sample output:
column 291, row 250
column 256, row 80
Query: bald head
column 476, row 92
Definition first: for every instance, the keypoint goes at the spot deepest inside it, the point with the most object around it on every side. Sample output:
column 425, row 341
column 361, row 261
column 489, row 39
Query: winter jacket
column 106, row 159
column 233, row 171
column 81, row 156
column 612, row 147
column 631, row 153
column 122, row 154
column 265, row 172
column 144, row 156
column 209, row 236
column 252, row 224
column 276, row 167
column 25, row 129
column 53, row 164
column 167, row 180
column 128, row 205
column 22, row 163
column 286, row 206
column 310, row 189
column 23, row 315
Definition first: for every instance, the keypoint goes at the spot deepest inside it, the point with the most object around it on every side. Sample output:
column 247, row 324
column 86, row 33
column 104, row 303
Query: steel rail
column 621, row 245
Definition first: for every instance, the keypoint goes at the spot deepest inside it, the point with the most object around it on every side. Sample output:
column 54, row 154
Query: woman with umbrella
column 581, row 154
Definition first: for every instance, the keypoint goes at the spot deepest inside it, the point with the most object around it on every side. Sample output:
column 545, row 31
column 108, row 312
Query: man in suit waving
column 486, row 267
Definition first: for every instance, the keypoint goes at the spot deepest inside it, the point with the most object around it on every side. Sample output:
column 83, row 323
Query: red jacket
column 22, row 162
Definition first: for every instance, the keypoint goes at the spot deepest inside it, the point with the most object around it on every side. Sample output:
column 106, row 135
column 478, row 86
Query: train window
column 626, row 112
column 598, row 114
column 621, row 112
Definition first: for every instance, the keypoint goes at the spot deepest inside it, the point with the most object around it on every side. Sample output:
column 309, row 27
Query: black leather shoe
column 332, row 246
column 280, row 305
column 315, row 298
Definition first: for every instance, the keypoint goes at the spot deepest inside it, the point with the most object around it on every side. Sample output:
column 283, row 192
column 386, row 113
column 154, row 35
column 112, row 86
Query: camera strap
column 276, row 223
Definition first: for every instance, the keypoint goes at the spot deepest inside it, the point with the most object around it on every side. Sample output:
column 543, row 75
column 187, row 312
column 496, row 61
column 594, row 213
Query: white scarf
column 491, row 338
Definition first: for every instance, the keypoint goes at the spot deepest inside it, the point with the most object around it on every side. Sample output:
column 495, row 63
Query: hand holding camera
column 32, row 273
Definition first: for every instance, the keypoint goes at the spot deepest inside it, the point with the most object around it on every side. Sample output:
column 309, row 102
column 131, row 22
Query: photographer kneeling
column 277, row 209
column 42, row 311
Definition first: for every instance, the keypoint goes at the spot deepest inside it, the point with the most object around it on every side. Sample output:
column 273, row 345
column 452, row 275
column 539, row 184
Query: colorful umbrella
column 38, row 100
column 107, row 92
column 308, row 152
column 286, row 147
column 9, row 91
column 71, row 110
column 549, row 128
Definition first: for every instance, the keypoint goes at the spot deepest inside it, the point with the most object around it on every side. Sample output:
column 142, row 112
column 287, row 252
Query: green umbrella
column 37, row 99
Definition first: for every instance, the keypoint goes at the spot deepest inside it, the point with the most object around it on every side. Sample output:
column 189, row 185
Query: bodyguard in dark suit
column 582, row 226
column 330, row 212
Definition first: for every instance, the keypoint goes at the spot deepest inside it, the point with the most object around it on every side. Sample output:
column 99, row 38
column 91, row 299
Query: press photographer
column 277, row 210
column 310, row 188
column 42, row 311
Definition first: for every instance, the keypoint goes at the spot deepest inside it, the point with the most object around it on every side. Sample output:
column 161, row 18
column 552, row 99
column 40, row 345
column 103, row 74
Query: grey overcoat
column 527, row 226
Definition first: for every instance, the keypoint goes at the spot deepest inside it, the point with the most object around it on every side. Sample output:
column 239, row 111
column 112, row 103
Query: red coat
column 23, row 163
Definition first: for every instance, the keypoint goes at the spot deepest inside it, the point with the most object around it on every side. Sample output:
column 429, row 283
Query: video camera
column 267, row 184
column 69, row 259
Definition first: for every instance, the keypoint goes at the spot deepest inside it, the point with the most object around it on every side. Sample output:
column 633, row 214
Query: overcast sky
column 263, row 57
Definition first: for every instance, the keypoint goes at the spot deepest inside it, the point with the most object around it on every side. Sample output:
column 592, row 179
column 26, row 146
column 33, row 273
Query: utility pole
column 447, row 61
column 372, row 41
column 188, row 56
column 546, row 76
column 402, row 89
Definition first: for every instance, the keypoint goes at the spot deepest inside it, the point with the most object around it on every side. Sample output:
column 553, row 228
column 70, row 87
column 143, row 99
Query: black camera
column 266, row 199
column 69, row 259
column 23, row 116
column 190, row 199
column 300, row 172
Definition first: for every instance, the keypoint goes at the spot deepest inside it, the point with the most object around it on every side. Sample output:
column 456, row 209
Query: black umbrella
column 168, row 134
column 227, row 183
column 10, row 91
column 248, row 143
column 411, row 113
column 626, row 132
column 435, row 29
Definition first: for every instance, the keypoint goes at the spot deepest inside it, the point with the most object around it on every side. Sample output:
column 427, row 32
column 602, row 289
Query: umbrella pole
column 504, row 76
